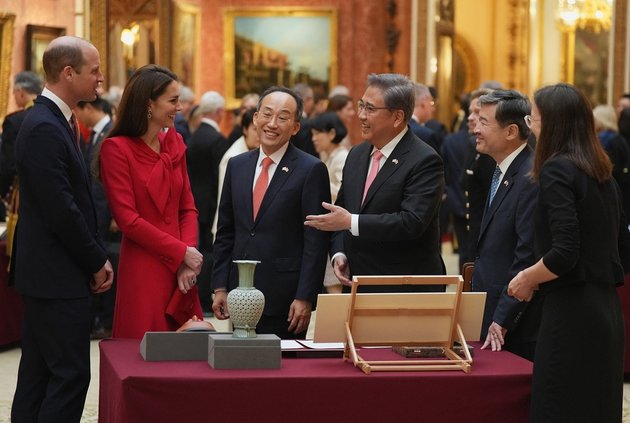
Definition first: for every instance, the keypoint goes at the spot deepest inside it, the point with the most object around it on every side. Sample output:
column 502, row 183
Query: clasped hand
column 103, row 279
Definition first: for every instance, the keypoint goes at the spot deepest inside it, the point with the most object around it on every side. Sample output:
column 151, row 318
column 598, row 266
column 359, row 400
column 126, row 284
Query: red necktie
column 376, row 158
column 261, row 185
column 75, row 129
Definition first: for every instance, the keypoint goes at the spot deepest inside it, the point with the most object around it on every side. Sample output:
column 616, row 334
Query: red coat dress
column 150, row 199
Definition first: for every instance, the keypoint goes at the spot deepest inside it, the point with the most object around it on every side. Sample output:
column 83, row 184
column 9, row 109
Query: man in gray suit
column 505, row 244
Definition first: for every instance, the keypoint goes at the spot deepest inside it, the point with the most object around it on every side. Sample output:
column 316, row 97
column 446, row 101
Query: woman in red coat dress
column 143, row 170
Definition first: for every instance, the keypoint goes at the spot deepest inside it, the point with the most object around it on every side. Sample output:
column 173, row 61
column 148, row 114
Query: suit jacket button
column 252, row 233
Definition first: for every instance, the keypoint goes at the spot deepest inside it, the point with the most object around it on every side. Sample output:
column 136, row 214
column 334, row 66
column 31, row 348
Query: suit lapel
column 280, row 177
column 504, row 187
column 391, row 165
column 244, row 183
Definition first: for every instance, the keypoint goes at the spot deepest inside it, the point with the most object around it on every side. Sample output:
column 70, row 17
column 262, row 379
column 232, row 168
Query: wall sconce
column 130, row 36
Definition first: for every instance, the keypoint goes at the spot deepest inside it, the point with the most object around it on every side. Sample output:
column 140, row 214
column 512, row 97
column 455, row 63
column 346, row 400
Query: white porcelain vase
column 245, row 303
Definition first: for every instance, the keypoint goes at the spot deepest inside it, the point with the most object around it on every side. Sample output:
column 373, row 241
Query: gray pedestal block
column 170, row 346
column 227, row 352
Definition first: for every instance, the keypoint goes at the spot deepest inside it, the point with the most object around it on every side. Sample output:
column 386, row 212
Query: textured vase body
column 245, row 303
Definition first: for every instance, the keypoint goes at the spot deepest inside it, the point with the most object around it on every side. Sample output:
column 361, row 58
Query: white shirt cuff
column 354, row 224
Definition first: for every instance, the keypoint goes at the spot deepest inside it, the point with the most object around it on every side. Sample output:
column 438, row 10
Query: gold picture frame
column 7, row 21
column 37, row 39
column 185, row 43
column 267, row 46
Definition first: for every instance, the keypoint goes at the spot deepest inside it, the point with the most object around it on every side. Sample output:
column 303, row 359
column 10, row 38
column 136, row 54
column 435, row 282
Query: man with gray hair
column 385, row 219
column 205, row 150
column 186, row 99
column 422, row 112
column 26, row 87
column 505, row 245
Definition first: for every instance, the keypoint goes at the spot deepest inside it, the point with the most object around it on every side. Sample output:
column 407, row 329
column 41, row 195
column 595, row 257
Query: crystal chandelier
column 594, row 15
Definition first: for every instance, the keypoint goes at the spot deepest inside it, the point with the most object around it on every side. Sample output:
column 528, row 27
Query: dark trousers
column 54, row 372
column 278, row 326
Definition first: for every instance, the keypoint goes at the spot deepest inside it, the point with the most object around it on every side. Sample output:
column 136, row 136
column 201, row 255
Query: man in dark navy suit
column 505, row 245
column 58, row 258
column 386, row 214
column 267, row 194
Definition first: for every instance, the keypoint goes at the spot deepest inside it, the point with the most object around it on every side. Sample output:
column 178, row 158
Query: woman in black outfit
column 583, row 242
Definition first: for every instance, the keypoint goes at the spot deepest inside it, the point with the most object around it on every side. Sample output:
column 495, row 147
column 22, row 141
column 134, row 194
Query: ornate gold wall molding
column 518, row 32
column 620, row 49
column 466, row 76
column 99, row 18
column 421, row 34
column 6, row 50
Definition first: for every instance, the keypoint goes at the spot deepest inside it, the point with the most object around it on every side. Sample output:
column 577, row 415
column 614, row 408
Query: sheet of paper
column 290, row 344
column 308, row 343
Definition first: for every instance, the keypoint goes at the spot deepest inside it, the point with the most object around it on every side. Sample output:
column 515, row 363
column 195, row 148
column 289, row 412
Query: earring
column 149, row 115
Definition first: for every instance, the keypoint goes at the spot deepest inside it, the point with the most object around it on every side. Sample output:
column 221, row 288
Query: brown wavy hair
column 567, row 128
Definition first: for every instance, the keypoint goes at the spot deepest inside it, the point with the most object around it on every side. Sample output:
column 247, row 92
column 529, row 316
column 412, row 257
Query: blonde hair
column 605, row 117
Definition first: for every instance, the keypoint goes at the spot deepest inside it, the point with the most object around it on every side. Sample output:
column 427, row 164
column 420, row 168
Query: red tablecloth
column 308, row 390
column 10, row 305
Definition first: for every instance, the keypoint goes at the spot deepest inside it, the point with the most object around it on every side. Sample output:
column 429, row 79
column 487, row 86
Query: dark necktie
column 496, row 178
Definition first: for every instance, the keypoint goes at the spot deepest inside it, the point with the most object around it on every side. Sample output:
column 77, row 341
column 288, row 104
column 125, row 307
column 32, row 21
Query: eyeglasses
column 281, row 118
column 529, row 120
column 370, row 109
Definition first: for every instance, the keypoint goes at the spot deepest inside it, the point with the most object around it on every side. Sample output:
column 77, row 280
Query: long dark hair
column 147, row 83
column 567, row 128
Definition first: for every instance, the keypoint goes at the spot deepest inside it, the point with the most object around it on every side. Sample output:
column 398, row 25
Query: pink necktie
column 261, row 185
column 376, row 158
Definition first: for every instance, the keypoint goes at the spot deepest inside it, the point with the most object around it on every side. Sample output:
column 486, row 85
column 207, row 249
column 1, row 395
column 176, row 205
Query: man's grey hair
column 29, row 82
column 398, row 91
column 421, row 91
column 210, row 102
column 186, row 94
column 303, row 90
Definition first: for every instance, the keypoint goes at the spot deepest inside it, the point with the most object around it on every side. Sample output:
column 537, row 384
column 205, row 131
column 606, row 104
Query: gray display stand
column 226, row 352
column 169, row 346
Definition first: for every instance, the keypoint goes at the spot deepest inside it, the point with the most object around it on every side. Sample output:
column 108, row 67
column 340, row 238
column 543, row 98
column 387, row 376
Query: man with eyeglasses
column 266, row 195
column 385, row 219
column 505, row 244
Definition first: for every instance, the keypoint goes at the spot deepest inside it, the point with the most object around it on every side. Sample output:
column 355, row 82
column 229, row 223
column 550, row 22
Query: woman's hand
column 186, row 278
column 193, row 259
column 521, row 287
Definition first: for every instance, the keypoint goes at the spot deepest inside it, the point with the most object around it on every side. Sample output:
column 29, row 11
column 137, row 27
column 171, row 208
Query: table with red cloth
column 308, row 390
column 11, row 309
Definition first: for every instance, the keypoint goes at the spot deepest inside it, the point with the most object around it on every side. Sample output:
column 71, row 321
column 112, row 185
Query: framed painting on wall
column 185, row 42
column 7, row 21
column 37, row 39
column 279, row 46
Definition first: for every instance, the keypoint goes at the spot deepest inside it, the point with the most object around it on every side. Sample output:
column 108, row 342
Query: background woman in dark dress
column 582, row 239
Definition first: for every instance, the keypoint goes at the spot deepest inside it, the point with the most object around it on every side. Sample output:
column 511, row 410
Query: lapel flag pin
column 285, row 169
column 395, row 161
